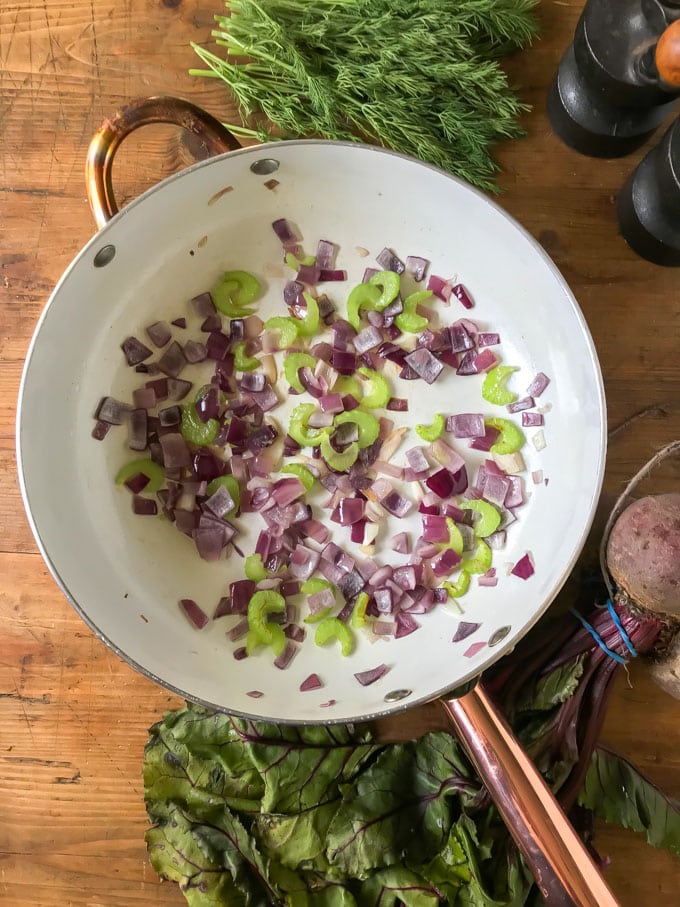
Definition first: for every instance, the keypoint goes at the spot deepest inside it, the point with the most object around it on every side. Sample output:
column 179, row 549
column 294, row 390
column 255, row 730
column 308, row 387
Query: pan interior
column 125, row 574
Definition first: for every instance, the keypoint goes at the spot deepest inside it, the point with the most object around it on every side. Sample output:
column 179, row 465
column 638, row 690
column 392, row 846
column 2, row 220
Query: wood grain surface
column 73, row 718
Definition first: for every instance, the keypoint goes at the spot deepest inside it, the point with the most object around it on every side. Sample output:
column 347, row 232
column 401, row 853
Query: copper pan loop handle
column 142, row 112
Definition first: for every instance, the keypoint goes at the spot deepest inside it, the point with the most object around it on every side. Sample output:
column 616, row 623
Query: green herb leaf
column 617, row 792
column 421, row 78
column 397, row 884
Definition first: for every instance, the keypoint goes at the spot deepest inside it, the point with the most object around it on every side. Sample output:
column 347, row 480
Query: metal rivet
column 264, row 166
column 499, row 635
column 105, row 256
column 396, row 695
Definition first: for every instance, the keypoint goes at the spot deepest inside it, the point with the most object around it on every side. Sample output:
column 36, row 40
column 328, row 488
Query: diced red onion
column 384, row 627
column 179, row 322
column 485, row 443
column 159, row 333
column 464, row 629
column 292, row 292
column 497, row 539
column 537, row 476
column 397, row 405
column 177, row 388
column 313, row 682
column 240, row 653
column 144, row 506
column 315, row 531
column 367, row 339
column 175, row 451
column 445, row 562
column 524, row 567
column 137, row 483
column 406, row 576
column 440, row 287
column 424, row 364
column 331, row 403
column 495, row 488
column 137, row 439
column 530, row 420
column 519, row 405
column 538, row 385
column 486, row 339
column 193, row 613
column 212, row 323
column 195, row 351
column 135, row 351
column 417, row 266
column 383, row 600
column 406, row 624
column 303, row 562
column 401, row 543
column 308, row 274
column 220, row 503
column 284, row 231
column 435, row 528
column 325, row 254
column 252, row 381
column 397, row 504
column 112, row 411
column 488, row 579
column 388, row 261
column 368, row 273
column 466, row 425
column 143, row 398
column 172, row 361
column 100, row 430
column 344, row 361
column 217, row 346
column 238, row 631
column 515, row 495
column 376, row 320
column 331, row 274
column 288, row 654
column 366, row 678
column 462, row 296
column 446, row 455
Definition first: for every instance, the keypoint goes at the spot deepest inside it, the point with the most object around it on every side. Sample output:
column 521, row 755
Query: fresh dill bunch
column 418, row 76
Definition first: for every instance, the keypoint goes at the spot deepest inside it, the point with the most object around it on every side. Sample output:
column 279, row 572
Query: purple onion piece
column 367, row 339
column 100, row 430
column 212, row 323
column 524, row 567
column 217, row 346
column 240, row 653
column 464, row 629
column 195, row 351
column 177, row 388
column 255, row 694
column 172, row 361
column 284, row 231
column 193, row 613
column 308, row 274
column 388, row 261
column 179, row 322
column 137, row 439
column 530, row 420
column 159, row 333
column 175, row 451
column 325, row 254
column 417, row 266
column 485, row 443
column 440, row 287
column 466, row 425
column 397, row 405
column 144, row 506
column 238, row 631
column 487, row 339
column 312, row 682
column 135, row 351
column 406, row 624
column 462, row 296
column 288, row 654
column 112, row 411
column 538, row 385
column 143, row 398
column 424, row 364
column 292, row 292
column 366, row 678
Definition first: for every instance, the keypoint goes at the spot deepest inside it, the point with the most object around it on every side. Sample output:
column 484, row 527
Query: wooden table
column 73, row 718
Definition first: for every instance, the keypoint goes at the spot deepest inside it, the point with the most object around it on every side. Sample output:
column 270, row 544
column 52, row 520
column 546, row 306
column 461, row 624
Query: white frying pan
column 125, row 574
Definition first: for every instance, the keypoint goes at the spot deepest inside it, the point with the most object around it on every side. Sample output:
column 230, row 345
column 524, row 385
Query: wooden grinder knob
column 667, row 56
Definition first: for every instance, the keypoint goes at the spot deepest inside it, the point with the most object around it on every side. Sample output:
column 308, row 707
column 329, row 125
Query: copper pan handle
column 562, row 867
column 142, row 112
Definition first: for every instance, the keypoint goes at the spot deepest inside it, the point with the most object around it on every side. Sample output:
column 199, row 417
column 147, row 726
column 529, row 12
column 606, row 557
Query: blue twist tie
column 598, row 639
column 619, row 627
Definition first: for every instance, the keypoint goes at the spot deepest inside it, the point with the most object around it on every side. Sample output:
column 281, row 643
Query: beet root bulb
column 643, row 554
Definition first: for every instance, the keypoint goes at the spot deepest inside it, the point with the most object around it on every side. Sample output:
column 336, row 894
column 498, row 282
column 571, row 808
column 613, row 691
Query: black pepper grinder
column 648, row 206
column 608, row 95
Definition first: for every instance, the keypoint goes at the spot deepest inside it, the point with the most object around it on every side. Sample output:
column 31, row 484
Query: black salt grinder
column 608, row 95
column 648, row 206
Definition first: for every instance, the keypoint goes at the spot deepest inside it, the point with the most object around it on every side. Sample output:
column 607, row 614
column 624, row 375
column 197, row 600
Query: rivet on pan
column 396, row 695
column 105, row 256
column 499, row 635
column 264, row 166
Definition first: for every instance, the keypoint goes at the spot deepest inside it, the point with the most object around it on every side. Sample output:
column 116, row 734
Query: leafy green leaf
column 299, row 840
column 399, row 807
column 552, row 689
column 213, row 865
column 390, row 886
column 617, row 792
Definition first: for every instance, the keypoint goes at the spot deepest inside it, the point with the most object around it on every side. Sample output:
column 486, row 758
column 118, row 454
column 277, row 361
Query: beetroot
column 643, row 553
